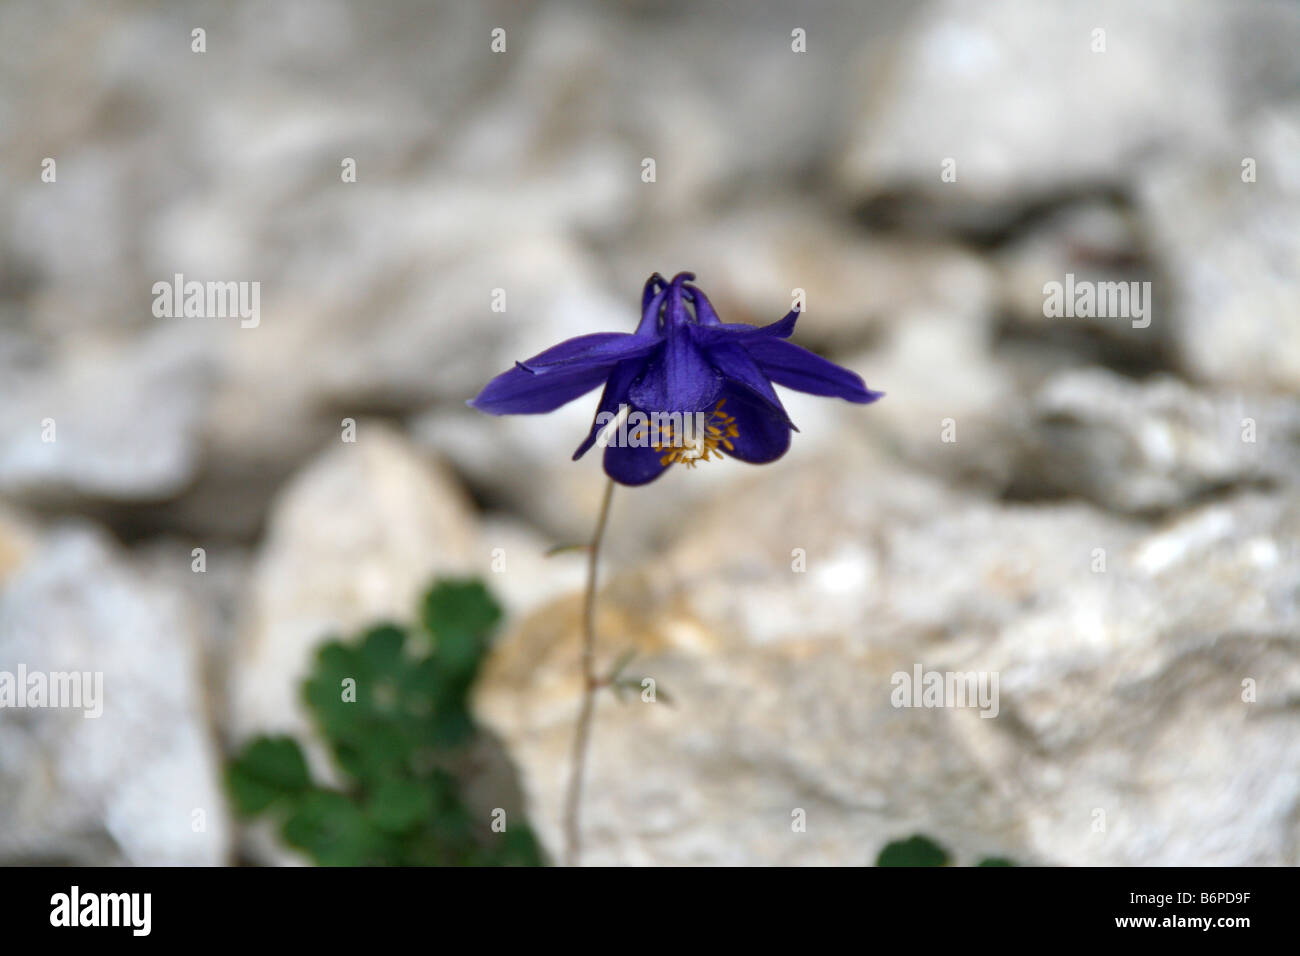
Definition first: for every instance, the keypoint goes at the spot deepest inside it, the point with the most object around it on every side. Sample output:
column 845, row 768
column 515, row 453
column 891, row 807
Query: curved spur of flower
column 684, row 387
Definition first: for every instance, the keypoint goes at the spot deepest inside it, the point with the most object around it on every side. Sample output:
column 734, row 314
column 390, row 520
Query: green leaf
column 324, row 693
column 374, row 750
column 332, row 829
column 382, row 649
column 916, row 850
column 460, row 606
column 392, row 706
column 459, row 654
column 397, row 805
column 520, row 848
column 452, row 726
column 995, row 861
column 268, row 769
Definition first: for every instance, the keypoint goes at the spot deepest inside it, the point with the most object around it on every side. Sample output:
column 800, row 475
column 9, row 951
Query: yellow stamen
column 690, row 450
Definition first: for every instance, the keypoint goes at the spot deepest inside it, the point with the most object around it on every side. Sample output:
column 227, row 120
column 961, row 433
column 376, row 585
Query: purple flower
column 690, row 385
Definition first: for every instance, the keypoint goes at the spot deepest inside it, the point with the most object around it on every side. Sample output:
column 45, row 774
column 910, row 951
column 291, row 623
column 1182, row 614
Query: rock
column 1120, row 681
column 522, row 172
column 523, row 463
column 140, row 784
column 215, row 596
column 1087, row 245
column 116, row 421
column 523, row 574
column 1155, row 445
column 354, row 539
column 752, row 258
column 1233, row 253
column 438, row 337
column 18, row 537
column 1016, row 95
column 953, row 406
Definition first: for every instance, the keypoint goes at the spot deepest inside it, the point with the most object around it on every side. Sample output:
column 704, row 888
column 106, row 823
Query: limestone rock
column 1028, row 106
column 115, row 421
column 1155, row 445
column 139, row 784
column 1120, row 652
column 1233, row 253
column 354, row 539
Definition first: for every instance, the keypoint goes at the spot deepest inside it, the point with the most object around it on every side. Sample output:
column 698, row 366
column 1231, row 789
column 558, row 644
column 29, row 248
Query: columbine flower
column 681, row 365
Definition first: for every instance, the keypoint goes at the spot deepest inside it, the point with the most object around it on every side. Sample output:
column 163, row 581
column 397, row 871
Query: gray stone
column 953, row 406
column 1120, row 672
column 124, row 419
column 1233, row 253
column 1155, row 445
column 1015, row 94
column 355, row 538
column 1086, row 247
column 139, row 784
column 750, row 260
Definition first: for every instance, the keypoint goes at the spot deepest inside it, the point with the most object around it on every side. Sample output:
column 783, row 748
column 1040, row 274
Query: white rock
column 1154, row 445
column 356, row 538
column 140, row 784
column 750, row 261
column 118, row 421
column 952, row 406
column 1233, row 254
column 1119, row 690
column 1016, row 95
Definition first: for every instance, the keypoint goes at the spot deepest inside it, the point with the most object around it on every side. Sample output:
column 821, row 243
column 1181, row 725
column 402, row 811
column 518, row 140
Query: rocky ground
column 1113, row 528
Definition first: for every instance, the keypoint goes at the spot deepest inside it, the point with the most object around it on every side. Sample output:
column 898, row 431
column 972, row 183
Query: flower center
column 703, row 441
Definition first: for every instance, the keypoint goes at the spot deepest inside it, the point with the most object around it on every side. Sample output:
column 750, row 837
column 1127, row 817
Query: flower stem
column 590, row 684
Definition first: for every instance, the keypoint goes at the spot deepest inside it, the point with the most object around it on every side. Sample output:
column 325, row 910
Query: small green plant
column 392, row 706
column 920, row 850
column 916, row 850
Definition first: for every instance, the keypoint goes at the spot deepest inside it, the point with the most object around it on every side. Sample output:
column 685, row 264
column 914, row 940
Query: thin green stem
column 590, row 684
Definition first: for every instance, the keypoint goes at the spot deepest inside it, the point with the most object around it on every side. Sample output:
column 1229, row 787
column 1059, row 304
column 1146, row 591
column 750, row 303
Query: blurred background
column 1105, row 516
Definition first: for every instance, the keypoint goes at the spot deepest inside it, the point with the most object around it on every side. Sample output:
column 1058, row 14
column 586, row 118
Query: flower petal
column 633, row 466
column 761, row 436
column 704, row 313
column 676, row 315
column 521, row 392
column 738, row 367
column 787, row 364
column 708, row 334
column 560, row 374
column 600, row 348
column 707, row 317
column 649, row 324
column 677, row 377
column 652, row 287
column 615, row 395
